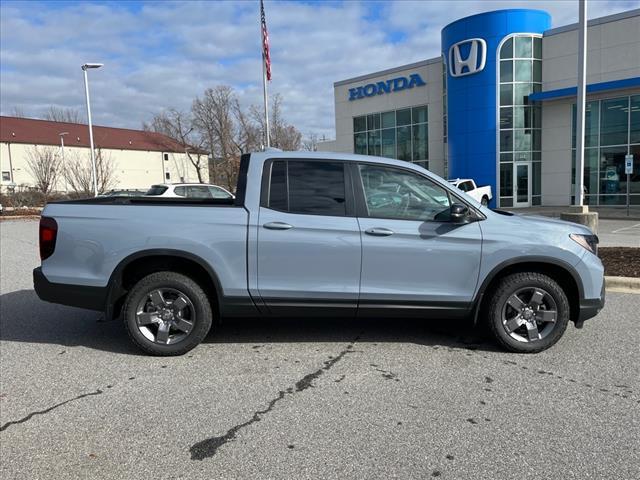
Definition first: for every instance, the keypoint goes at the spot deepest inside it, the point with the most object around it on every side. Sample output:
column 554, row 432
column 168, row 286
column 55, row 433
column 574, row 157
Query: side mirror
column 458, row 213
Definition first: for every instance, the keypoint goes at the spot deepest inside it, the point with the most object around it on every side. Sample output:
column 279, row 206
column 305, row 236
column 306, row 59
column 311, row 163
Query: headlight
column 590, row 242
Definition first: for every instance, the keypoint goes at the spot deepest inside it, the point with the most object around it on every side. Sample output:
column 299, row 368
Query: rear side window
column 218, row 193
column 307, row 187
column 198, row 192
column 156, row 190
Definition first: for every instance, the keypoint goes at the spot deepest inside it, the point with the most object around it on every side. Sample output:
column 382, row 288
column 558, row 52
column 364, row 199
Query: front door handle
column 379, row 232
column 277, row 226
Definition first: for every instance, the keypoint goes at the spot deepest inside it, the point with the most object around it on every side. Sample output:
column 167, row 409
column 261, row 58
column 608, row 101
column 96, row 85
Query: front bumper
column 91, row 298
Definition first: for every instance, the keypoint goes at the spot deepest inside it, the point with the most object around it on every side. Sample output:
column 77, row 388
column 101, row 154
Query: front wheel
column 167, row 313
column 528, row 312
column 485, row 201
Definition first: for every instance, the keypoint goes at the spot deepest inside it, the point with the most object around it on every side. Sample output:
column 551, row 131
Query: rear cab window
column 311, row 187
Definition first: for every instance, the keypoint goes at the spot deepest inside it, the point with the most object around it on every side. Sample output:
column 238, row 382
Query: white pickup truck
column 480, row 194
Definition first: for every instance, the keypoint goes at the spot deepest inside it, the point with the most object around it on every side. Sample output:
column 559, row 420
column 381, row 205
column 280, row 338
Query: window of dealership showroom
column 520, row 122
column 401, row 134
column 612, row 131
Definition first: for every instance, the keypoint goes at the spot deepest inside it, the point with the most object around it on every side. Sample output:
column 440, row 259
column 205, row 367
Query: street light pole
column 581, row 101
column 62, row 134
column 85, row 67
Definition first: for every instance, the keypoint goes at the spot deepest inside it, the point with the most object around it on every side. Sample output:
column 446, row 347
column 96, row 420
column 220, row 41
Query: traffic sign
column 628, row 164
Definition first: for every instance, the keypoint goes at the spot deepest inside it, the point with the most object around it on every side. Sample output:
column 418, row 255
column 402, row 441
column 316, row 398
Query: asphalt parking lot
column 301, row 399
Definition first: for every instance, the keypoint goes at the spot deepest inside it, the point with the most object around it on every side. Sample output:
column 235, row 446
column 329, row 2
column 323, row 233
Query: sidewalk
column 609, row 213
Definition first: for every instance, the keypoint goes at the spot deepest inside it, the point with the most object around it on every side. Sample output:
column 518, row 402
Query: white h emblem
column 474, row 62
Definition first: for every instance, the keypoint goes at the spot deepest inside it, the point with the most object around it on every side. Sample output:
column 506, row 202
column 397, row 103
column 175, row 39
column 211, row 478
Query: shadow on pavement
column 26, row 318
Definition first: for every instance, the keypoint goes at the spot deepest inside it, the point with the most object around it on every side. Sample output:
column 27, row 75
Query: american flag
column 266, row 57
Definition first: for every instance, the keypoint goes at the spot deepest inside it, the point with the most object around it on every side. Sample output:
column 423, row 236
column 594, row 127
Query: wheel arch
column 137, row 265
column 560, row 271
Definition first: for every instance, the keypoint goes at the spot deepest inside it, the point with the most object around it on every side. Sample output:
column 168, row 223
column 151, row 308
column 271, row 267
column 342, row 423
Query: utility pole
column 85, row 67
column 581, row 101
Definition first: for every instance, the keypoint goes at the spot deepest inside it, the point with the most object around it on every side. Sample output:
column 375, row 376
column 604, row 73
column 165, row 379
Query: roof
column 45, row 132
column 388, row 71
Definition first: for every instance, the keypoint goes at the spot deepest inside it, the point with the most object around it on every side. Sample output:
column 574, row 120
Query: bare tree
column 44, row 164
column 248, row 136
column 78, row 172
column 310, row 143
column 213, row 117
column 180, row 127
column 60, row 114
column 18, row 112
column 219, row 125
column 283, row 136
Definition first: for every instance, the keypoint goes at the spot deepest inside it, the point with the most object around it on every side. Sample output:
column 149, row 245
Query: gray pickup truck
column 318, row 234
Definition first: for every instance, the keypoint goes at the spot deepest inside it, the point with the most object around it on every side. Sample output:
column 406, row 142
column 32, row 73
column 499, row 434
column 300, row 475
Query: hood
column 570, row 227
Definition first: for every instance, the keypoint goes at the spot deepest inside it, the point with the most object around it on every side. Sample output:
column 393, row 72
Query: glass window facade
column 401, row 134
column 612, row 131
column 520, row 74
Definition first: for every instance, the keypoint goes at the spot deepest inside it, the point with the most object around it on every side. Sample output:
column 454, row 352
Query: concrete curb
column 622, row 284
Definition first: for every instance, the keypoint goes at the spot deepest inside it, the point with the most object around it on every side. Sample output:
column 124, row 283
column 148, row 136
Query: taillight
column 48, row 234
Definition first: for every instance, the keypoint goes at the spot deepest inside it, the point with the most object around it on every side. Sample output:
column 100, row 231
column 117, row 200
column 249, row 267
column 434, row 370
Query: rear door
column 308, row 239
column 414, row 259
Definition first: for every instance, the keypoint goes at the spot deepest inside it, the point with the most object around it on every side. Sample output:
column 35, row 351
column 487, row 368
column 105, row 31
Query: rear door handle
column 379, row 232
column 277, row 226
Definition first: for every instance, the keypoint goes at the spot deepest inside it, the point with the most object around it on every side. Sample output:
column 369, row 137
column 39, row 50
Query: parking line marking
column 626, row 228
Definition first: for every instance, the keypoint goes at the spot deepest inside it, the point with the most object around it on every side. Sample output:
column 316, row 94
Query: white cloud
column 165, row 53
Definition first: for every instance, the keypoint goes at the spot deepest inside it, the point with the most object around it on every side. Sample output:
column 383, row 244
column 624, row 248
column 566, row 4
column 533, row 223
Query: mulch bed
column 620, row 261
column 20, row 213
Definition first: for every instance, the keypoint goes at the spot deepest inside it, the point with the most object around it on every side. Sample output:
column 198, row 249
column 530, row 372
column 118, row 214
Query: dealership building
column 499, row 106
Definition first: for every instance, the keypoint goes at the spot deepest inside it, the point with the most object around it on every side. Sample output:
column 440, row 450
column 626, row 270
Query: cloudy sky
column 162, row 54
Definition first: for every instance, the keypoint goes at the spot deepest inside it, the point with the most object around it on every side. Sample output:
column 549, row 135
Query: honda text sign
column 467, row 57
column 388, row 86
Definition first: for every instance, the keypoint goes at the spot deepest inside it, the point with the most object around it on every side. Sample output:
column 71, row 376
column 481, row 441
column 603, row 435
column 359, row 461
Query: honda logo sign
column 476, row 50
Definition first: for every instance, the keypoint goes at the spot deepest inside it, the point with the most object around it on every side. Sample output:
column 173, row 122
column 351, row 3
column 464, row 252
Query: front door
column 309, row 247
column 522, row 185
column 414, row 259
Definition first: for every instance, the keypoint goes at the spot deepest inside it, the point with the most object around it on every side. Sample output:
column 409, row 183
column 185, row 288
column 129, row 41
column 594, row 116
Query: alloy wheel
column 165, row 316
column 529, row 314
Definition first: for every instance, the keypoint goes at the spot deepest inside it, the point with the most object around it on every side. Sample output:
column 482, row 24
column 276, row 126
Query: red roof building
column 45, row 132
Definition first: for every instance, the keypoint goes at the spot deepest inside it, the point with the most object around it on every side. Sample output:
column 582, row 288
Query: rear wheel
column 167, row 313
column 485, row 201
column 528, row 312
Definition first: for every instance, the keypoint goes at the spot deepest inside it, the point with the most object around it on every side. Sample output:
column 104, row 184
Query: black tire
column 172, row 281
column 497, row 308
column 485, row 201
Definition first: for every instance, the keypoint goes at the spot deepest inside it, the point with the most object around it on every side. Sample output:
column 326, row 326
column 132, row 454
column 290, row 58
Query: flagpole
column 267, row 136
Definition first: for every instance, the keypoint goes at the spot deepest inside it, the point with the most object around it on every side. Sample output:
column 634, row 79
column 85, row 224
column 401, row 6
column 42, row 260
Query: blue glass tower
column 470, row 51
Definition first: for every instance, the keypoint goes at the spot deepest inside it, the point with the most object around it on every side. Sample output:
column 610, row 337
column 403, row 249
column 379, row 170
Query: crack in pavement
column 207, row 448
column 47, row 410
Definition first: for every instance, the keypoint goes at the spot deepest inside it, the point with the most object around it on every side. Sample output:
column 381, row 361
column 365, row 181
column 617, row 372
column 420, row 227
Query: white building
column 137, row 158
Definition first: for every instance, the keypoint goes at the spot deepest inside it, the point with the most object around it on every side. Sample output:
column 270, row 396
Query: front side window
column 402, row 195
column 307, row 187
column 180, row 191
